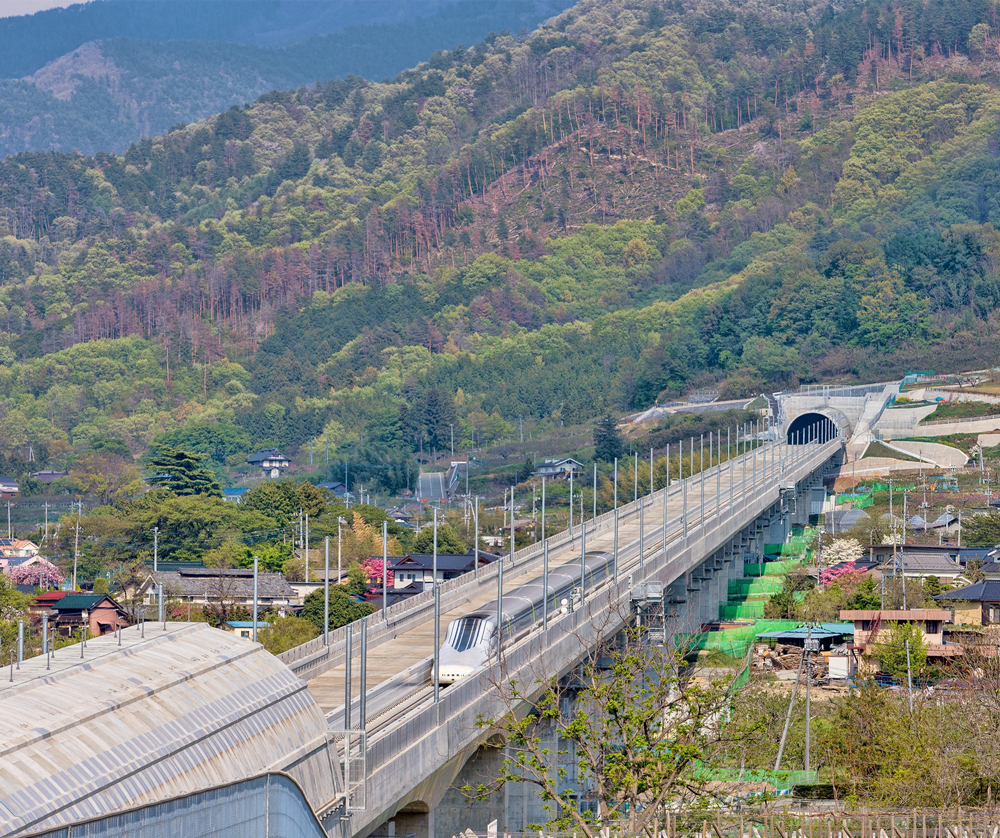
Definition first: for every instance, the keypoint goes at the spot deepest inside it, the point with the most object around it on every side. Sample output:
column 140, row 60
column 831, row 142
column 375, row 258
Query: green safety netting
column 857, row 501
column 741, row 611
column 735, row 642
column 897, row 487
column 779, row 568
column 778, row 779
column 743, row 588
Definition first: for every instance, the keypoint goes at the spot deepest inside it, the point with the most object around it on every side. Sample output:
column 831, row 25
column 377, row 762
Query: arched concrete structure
column 807, row 427
column 166, row 713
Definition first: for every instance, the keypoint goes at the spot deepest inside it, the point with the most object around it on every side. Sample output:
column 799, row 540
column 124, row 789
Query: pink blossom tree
column 372, row 568
column 847, row 573
column 39, row 573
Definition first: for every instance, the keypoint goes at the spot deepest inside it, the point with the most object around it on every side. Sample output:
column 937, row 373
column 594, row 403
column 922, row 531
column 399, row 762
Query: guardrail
column 957, row 421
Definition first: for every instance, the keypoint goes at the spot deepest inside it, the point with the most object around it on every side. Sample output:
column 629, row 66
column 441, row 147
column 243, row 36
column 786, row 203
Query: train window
column 464, row 633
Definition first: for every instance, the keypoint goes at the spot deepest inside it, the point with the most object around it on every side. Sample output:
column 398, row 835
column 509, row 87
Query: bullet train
column 471, row 640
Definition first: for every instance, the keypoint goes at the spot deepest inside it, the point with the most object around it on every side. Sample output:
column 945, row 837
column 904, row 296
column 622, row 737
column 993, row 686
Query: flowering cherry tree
column 840, row 550
column 38, row 573
column 372, row 568
column 848, row 573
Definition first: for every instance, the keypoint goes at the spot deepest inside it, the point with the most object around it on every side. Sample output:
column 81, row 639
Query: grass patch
column 962, row 410
column 963, row 442
column 877, row 449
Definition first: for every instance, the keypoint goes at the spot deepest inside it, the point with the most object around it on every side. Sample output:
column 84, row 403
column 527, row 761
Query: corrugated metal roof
column 181, row 710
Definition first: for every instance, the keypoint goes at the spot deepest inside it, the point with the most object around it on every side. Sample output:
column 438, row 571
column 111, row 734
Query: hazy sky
column 13, row 8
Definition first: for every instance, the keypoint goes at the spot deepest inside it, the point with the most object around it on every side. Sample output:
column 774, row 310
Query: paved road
column 431, row 488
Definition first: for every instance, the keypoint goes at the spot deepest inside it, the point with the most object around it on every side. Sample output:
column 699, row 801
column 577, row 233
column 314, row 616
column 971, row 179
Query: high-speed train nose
column 450, row 674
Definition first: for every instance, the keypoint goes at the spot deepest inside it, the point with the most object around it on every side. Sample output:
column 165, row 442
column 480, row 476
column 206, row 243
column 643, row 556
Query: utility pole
column 76, row 542
column 46, row 520
column 571, row 504
column 156, row 546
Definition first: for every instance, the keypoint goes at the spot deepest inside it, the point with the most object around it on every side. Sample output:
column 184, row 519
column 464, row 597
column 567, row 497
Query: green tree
column 890, row 649
column 607, row 440
column 286, row 633
column 217, row 440
column 181, row 472
column 526, row 470
column 343, row 609
column 638, row 732
column 448, row 540
column 13, row 607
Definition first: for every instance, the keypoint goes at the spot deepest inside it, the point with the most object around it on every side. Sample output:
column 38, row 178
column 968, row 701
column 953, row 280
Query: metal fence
column 269, row 806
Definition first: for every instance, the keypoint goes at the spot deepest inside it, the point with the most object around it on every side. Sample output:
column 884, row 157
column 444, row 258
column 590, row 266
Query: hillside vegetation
column 636, row 199
column 148, row 66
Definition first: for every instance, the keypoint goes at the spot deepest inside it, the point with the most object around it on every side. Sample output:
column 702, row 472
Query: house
column 559, row 468
column 98, row 612
column 919, row 561
column 393, row 595
column 49, row 476
column 9, row 488
column 977, row 605
column 336, row 487
column 271, row 461
column 243, row 628
column 234, row 494
column 213, row 585
column 868, row 625
column 418, row 568
column 42, row 603
column 944, row 482
column 399, row 516
column 18, row 548
column 827, row 634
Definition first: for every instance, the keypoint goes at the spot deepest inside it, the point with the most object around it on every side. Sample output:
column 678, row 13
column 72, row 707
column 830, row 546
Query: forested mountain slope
column 174, row 62
column 637, row 199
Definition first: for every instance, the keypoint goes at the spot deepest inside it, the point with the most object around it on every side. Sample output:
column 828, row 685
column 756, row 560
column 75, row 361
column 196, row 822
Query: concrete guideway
column 389, row 656
column 413, row 756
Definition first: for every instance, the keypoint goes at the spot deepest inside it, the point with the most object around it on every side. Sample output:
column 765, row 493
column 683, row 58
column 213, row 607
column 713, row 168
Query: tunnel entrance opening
column 809, row 427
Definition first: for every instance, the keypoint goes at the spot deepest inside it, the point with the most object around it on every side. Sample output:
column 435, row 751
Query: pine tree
column 607, row 440
column 182, row 473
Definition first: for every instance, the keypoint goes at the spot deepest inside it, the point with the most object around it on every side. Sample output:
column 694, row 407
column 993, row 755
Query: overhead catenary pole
column 571, row 505
column 545, row 567
column 76, row 542
column 363, row 709
column 307, row 547
column 255, row 599
column 437, row 644
column 666, row 495
column 156, row 546
column 385, row 570
column 635, row 478
column 594, row 515
column 476, row 517
column 499, row 608
column 348, row 654
column 326, row 591
column 684, row 487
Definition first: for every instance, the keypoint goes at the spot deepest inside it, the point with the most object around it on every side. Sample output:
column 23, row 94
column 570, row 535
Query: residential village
column 883, row 550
